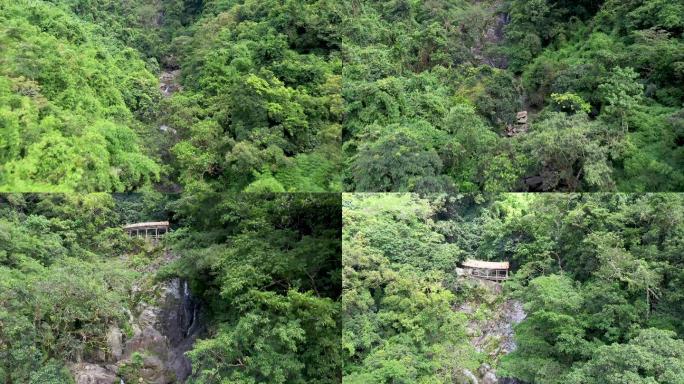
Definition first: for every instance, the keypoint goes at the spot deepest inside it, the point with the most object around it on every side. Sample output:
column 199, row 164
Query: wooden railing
column 150, row 230
column 488, row 274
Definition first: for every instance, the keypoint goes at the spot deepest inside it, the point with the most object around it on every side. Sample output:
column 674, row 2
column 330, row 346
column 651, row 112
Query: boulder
column 521, row 117
column 149, row 340
column 115, row 341
column 489, row 378
column 155, row 372
column 520, row 125
column 468, row 378
column 85, row 373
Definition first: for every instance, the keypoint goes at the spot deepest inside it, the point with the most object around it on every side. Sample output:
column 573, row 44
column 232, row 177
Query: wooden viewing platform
column 488, row 270
column 150, row 230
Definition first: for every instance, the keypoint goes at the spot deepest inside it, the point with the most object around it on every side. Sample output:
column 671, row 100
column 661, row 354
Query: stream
column 168, row 82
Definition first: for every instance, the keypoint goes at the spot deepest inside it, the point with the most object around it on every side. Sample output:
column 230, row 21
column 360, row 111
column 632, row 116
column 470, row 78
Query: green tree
column 274, row 288
column 621, row 93
column 396, row 162
column 654, row 356
column 398, row 322
column 568, row 153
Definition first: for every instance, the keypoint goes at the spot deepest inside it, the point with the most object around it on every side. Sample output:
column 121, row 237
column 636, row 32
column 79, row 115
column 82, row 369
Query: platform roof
column 470, row 263
column 149, row 224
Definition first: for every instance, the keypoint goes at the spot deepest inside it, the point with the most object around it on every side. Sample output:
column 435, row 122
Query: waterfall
column 192, row 326
column 182, row 323
column 189, row 307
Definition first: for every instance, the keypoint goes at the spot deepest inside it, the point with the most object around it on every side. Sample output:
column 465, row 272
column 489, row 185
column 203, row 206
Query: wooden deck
column 150, row 230
column 488, row 270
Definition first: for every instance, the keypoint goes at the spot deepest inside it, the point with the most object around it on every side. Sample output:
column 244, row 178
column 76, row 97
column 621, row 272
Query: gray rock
column 513, row 313
column 154, row 371
column 489, row 378
column 166, row 128
column 168, row 82
column 167, row 330
column 521, row 125
column 469, row 377
column 163, row 329
column 493, row 334
column 521, row 117
column 115, row 341
column 85, row 373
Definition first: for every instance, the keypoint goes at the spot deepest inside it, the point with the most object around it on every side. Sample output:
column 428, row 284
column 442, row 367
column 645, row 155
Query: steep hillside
column 319, row 96
column 593, row 295
column 244, row 288
column 73, row 104
column 256, row 107
column 524, row 95
column 73, row 286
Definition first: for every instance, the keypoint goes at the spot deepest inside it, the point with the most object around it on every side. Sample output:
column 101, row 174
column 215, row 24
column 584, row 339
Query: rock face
column 469, row 378
column 168, row 85
column 181, row 326
column 521, row 125
column 493, row 335
column 491, row 36
column 521, row 117
column 115, row 341
column 513, row 313
column 487, row 374
column 162, row 334
column 153, row 351
column 93, row 374
column 489, row 378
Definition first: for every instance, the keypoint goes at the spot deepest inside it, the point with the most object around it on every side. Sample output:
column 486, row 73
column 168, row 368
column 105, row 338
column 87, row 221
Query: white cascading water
column 187, row 300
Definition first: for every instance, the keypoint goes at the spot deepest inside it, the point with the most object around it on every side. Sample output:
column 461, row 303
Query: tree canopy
column 72, row 102
column 598, row 275
column 85, row 103
column 321, row 96
column 265, row 268
column 269, row 268
column 601, row 82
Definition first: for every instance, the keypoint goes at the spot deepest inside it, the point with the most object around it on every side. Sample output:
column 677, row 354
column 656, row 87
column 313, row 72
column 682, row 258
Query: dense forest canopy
column 318, row 95
column 261, row 107
column 269, row 268
column 72, row 101
column 599, row 276
column 432, row 90
column 266, row 267
column 255, row 102
column 235, row 120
